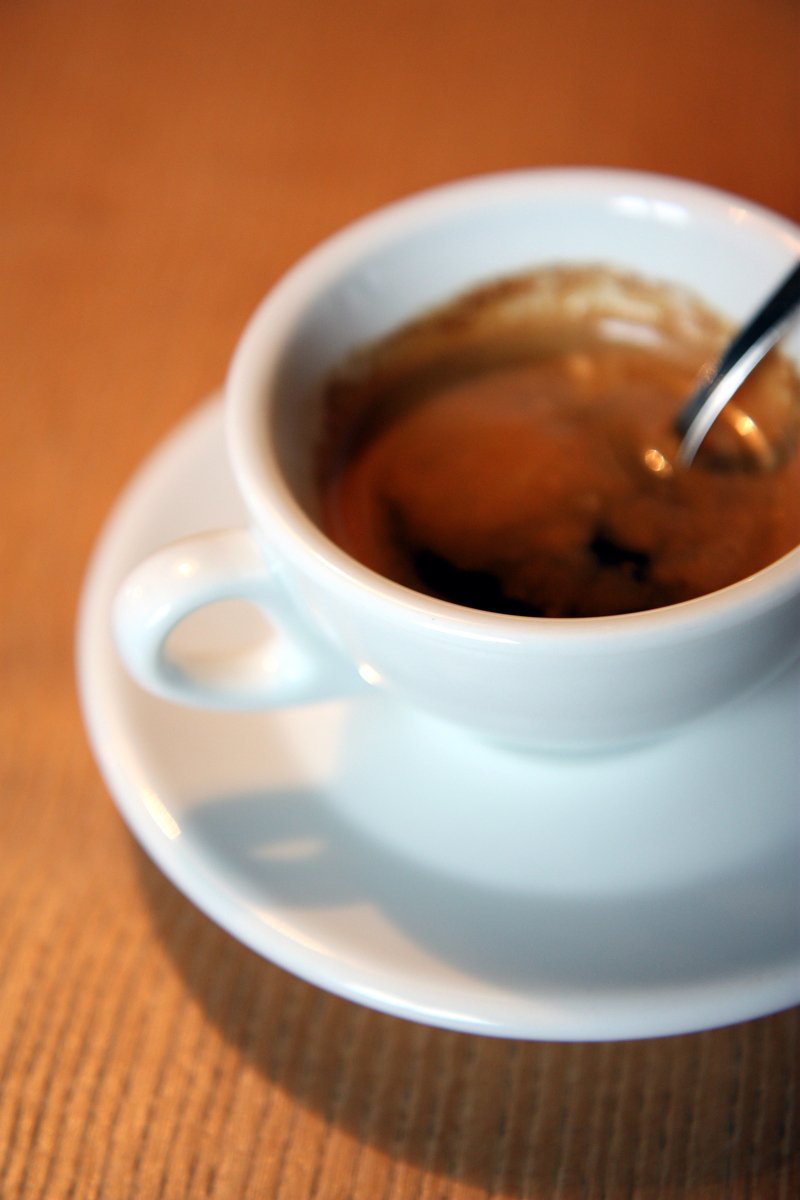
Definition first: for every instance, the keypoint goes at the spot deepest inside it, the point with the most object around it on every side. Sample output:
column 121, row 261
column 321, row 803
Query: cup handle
column 294, row 665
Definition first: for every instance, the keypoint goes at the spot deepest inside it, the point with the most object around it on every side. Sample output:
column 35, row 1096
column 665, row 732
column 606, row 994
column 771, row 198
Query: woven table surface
column 160, row 166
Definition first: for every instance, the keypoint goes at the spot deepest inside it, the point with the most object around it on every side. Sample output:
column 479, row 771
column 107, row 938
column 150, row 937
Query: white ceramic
column 399, row 862
column 559, row 684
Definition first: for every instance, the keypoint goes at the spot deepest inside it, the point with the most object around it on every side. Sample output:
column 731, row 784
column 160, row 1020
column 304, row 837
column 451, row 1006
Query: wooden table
column 160, row 166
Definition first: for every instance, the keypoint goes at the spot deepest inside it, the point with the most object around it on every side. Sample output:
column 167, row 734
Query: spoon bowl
column 724, row 378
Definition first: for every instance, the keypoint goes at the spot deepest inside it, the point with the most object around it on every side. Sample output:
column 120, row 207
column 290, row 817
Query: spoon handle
column 744, row 353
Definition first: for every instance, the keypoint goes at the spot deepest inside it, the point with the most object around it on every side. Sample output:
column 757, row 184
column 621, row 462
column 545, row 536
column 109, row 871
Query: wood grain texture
column 160, row 166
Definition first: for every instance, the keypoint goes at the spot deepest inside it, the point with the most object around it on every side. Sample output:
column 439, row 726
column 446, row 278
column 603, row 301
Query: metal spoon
column 743, row 353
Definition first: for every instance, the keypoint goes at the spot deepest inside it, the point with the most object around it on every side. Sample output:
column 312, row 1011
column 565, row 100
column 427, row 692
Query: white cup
column 559, row 684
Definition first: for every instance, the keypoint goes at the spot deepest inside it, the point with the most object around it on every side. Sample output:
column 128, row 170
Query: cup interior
column 394, row 266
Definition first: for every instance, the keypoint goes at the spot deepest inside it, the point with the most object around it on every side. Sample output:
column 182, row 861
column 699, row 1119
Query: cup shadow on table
column 300, row 850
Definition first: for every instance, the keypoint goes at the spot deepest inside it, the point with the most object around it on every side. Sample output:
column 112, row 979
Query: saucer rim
column 636, row 1013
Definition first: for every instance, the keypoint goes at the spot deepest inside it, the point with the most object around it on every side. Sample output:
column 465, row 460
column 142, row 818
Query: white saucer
column 395, row 861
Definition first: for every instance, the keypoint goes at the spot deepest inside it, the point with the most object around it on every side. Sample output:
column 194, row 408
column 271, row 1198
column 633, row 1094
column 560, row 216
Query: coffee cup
column 339, row 628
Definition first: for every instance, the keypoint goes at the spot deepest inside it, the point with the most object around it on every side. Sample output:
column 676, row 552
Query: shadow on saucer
column 416, row 847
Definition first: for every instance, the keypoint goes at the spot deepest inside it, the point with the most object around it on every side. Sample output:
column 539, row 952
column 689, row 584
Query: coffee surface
column 514, row 452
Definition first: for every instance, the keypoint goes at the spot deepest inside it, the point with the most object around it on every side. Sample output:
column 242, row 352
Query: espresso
column 514, row 452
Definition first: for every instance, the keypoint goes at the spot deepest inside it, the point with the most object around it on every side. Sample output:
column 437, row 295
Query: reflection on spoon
column 723, row 379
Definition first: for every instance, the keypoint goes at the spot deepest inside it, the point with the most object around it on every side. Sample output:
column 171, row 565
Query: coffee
column 513, row 451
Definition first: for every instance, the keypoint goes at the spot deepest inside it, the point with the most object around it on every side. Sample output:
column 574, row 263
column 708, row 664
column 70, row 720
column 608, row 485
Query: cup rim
column 273, row 506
